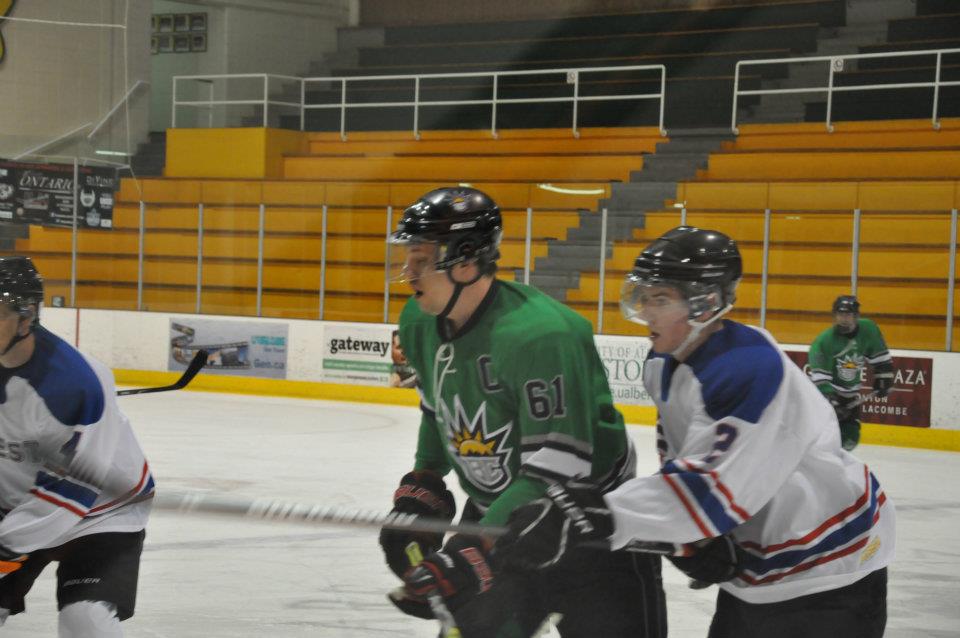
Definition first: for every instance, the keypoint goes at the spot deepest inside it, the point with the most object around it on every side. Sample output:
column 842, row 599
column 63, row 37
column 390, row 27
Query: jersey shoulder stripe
column 64, row 381
column 740, row 372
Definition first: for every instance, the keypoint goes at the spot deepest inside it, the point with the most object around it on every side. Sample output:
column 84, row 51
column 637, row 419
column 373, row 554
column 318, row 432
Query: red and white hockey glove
column 457, row 572
column 423, row 493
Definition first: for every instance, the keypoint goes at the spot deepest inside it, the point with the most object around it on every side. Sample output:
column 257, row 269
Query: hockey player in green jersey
column 837, row 359
column 513, row 397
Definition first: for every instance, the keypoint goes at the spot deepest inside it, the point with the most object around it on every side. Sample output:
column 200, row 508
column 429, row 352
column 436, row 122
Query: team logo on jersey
column 481, row 453
column 870, row 550
column 849, row 366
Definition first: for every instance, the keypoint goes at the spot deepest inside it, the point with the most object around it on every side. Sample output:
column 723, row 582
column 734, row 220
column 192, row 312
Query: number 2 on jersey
column 726, row 434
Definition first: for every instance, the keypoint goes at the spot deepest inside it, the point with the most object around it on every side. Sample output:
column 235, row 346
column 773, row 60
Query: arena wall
column 137, row 346
column 55, row 78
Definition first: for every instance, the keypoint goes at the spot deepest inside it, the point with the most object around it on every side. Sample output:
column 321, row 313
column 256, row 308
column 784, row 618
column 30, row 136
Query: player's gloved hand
column 10, row 561
column 541, row 532
column 882, row 385
column 425, row 494
column 457, row 572
column 845, row 408
column 714, row 560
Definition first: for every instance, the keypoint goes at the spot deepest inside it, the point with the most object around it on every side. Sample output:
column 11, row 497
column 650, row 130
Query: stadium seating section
column 902, row 175
column 516, row 170
column 812, row 181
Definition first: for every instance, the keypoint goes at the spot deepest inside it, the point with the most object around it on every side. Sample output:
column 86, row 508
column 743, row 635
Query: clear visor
column 642, row 301
column 411, row 260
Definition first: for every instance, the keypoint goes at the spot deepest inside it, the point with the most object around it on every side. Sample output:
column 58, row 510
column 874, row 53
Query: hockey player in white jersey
column 74, row 485
column 753, row 480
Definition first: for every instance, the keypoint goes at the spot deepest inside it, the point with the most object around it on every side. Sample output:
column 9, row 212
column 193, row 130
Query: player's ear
column 26, row 320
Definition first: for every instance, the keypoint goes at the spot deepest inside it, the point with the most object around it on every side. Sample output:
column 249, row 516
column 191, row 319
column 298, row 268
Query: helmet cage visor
column 409, row 253
column 639, row 301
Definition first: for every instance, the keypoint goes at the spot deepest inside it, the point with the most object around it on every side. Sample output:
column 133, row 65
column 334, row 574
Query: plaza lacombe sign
column 909, row 400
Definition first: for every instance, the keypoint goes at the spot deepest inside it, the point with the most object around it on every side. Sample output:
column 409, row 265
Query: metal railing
column 572, row 77
column 208, row 80
column 771, row 276
column 836, row 65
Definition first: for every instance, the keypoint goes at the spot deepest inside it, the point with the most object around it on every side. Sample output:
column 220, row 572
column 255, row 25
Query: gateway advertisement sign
column 357, row 353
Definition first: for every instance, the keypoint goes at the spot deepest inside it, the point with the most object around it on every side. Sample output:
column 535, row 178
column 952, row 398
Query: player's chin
column 655, row 341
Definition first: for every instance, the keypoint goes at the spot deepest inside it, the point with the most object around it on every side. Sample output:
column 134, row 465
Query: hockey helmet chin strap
column 697, row 328
column 458, row 287
column 17, row 338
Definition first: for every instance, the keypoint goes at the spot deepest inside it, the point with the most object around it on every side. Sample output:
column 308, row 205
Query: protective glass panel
column 903, row 270
column 809, row 265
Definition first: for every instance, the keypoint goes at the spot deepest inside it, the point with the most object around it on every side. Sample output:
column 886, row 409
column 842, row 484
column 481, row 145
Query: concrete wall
column 245, row 36
column 55, row 78
column 402, row 12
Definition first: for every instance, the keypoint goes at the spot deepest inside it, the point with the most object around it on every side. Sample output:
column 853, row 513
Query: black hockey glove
column 10, row 561
column 423, row 493
column 541, row 532
column 715, row 560
column 882, row 385
column 457, row 572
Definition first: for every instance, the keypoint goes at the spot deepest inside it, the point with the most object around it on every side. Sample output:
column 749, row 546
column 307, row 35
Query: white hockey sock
column 89, row 619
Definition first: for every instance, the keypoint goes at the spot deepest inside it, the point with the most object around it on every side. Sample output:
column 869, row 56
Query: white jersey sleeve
column 749, row 446
column 70, row 463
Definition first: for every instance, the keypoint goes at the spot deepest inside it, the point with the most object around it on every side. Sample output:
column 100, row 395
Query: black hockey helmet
column 21, row 285
column 705, row 265
column 464, row 222
column 846, row 303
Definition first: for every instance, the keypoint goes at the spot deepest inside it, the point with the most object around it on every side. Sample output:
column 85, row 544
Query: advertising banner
column 43, row 194
column 241, row 348
column 359, row 353
column 909, row 400
column 623, row 359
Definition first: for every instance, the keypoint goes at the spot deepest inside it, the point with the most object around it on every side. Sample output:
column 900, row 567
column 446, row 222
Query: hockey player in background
column 513, row 397
column 74, row 485
column 753, row 481
column 837, row 359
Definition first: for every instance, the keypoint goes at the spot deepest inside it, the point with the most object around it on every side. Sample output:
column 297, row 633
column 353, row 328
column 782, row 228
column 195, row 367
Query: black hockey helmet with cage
column 697, row 261
column 464, row 222
column 21, row 285
column 846, row 303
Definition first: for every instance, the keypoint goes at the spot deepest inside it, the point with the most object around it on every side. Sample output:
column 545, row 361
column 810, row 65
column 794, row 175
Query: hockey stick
column 266, row 509
column 863, row 398
column 199, row 360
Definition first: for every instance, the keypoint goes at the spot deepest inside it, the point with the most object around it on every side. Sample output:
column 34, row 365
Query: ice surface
column 217, row 577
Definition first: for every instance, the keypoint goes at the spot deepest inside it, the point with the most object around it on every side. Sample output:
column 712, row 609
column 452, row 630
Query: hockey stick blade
column 196, row 364
column 266, row 509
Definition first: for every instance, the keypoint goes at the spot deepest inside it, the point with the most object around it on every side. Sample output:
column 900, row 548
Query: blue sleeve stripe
column 697, row 484
column 849, row 532
column 67, row 489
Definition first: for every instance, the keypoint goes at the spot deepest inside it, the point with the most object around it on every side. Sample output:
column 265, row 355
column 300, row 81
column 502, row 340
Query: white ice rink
column 215, row 577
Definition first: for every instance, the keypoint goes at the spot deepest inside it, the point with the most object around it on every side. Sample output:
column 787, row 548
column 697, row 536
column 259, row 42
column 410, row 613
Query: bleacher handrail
column 572, row 75
column 209, row 79
column 836, row 65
